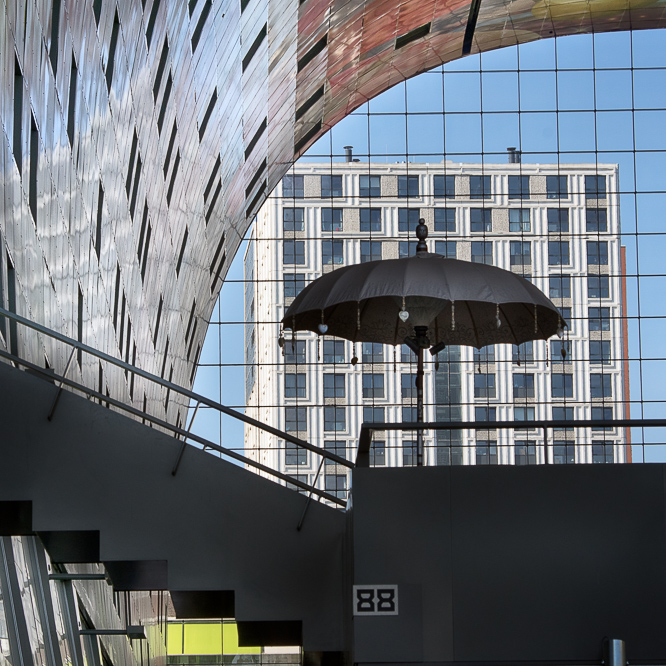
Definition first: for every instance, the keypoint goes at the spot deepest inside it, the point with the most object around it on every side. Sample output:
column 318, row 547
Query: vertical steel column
column 40, row 580
column 71, row 620
column 17, row 629
column 419, row 406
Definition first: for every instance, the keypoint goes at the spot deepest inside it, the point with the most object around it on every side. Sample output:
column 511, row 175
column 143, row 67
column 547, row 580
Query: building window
column 408, row 453
column 484, row 386
column 409, row 415
column 480, row 219
column 558, row 253
column 598, row 286
column 564, row 453
column 294, row 351
column 558, row 351
column 524, row 452
column 519, row 187
column 485, row 414
column 599, row 319
column 372, row 352
column 559, row 286
column 304, row 478
column 337, row 447
column 523, row 353
column 519, row 219
column 408, row 186
column 561, row 385
column 293, row 252
column 406, row 249
column 408, row 385
column 558, row 220
column 602, row 414
column 521, row 253
column 557, row 187
column 566, row 317
column 294, row 385
column 446, row 249
column 334, row 351
column 292, row 187
column 482, row 252
column 523, row 386
column 335, row 419
column 595, row 187
column 332, row 252
column 445, row 220
column 294, row 283
column 336, row 485
column 563, row 414
column 444, row 187
column 374, row 415
column 601, row 386
column 371, row 219
column 370, row 186
column 371, row 251
column 406, row 354
column 596, row 220
column 331, row 186
column 334, row 385
column 373, row 385
column 523, row 413
column 295, row 455
column 378, row 454
column 597, row 253
column 292, row 219
column 603, row 452
column 479, row 187
column 486, row 452
column 331, row 219
column 408, row 218
column 295, row 419
column 600, row 351
column 484, row 355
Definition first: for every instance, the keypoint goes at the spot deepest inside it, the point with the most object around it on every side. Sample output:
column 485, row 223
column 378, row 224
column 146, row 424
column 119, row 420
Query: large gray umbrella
column 460, row 303
column 424, row 301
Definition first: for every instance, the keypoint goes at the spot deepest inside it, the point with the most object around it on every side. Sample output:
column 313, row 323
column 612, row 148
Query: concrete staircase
column 97, row 487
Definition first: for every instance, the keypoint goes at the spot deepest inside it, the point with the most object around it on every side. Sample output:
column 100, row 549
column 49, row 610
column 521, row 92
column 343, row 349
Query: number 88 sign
column 375, row 599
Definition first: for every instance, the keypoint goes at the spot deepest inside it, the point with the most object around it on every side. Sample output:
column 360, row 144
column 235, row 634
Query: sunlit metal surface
column 139, row 138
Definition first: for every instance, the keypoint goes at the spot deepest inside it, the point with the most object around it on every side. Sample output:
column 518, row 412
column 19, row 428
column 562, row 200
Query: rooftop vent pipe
column 514, row 155
column 348, row 154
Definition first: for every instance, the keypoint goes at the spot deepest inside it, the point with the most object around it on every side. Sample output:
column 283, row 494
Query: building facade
column 557, row 225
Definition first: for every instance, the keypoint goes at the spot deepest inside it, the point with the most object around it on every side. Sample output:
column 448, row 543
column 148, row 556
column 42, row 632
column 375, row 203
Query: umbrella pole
column 419, row 407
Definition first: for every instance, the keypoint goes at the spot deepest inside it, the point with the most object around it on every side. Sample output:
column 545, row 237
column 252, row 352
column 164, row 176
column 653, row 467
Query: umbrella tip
column 421, row 234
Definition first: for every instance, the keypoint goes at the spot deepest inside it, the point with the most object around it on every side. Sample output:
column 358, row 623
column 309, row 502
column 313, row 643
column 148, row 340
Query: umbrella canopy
column 460, row 303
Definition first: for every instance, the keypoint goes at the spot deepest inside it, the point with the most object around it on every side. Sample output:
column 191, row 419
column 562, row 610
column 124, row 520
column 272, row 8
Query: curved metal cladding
column 140, row 137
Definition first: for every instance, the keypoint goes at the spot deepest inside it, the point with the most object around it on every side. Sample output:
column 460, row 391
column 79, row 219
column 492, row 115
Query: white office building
column 558, row 225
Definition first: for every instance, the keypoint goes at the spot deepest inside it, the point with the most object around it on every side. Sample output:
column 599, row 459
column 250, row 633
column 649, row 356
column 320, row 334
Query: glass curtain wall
column 547, row 159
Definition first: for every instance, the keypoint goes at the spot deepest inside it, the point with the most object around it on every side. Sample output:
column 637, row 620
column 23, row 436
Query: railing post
column 307, row 504
column 546, row 460
column 59, row 391
column 174, row 471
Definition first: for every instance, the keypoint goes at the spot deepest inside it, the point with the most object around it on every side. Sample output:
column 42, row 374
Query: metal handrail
column 175, row 429
column 198, row 398
column 367, row 429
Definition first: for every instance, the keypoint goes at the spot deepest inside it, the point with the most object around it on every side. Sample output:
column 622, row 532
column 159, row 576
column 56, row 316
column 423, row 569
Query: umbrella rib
column 508, row 320
column 473, row 320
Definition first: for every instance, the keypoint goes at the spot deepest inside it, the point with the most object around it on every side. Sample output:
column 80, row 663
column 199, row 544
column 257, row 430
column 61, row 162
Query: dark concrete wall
column 512, row 563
